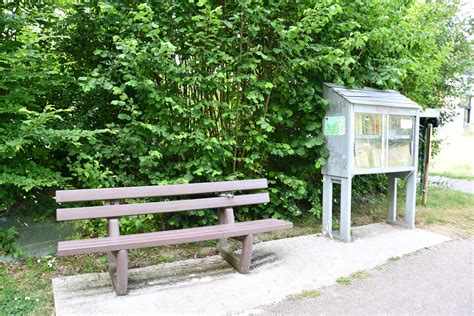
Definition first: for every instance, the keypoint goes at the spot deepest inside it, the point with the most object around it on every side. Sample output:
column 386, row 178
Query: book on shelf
column 399, row 154
column 367, row 154
column 367, row 124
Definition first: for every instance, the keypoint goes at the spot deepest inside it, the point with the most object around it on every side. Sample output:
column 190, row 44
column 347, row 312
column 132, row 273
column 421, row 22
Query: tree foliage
column 105, row 94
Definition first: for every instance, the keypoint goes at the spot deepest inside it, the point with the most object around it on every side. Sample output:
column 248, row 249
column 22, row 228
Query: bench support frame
column 118, row 260
column 241, row 263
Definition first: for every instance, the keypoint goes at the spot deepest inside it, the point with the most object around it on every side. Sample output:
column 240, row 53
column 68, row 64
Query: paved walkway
column 210, row 287
column 436, row 281
column 466, row 186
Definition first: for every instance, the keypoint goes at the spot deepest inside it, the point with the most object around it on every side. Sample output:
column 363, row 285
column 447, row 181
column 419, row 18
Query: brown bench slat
column 180, row 236
column 157, row 190
column 109, row 211
column 187, row 232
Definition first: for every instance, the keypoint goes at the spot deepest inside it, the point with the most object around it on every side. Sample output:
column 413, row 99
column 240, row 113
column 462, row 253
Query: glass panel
column 367, row 140
column 400, row 135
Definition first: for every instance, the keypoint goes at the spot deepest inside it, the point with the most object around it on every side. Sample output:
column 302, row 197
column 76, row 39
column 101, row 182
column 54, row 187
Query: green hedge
column 122, row 93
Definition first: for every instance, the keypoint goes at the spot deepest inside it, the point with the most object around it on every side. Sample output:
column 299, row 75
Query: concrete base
column 210, row 286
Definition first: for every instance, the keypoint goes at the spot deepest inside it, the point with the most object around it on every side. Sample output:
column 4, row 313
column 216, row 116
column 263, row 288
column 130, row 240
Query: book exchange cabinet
column 368, row 131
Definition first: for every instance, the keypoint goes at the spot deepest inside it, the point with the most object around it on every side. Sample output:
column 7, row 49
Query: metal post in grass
column 426, row 163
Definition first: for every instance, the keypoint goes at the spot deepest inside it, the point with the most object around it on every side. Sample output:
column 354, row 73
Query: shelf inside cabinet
column 395, row 137
column 361, row 136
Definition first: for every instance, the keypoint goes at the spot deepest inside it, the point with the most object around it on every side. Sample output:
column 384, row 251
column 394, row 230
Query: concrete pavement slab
column 209, row 286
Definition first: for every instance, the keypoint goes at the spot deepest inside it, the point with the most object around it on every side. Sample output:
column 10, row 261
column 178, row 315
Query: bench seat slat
column 83, row 195
column 110, row 211
column 169, row 233
column 180, row 236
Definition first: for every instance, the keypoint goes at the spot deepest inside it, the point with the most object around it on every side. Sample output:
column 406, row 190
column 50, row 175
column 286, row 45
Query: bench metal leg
column 242, row 263
column 226, row 216
column 113, row 230
column 118, row 260
column 119, row 273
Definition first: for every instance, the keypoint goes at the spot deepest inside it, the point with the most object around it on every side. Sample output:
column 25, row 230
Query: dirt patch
column 446, row 230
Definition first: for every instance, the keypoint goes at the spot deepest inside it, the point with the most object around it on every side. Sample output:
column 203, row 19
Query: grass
column 344, row 280
column 29, row 280
column 25, row 287
column 305, row 294
column 450, row 209
column 362, row 274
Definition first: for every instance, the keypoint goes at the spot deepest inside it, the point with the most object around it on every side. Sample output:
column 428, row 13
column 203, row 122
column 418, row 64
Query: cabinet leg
column 346, row 197
column 392, row 199
column 327, row 205
column 410, row 200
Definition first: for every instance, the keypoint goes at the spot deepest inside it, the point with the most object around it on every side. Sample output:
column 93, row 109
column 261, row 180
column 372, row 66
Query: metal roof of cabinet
column 371, row 96
column 368, row 131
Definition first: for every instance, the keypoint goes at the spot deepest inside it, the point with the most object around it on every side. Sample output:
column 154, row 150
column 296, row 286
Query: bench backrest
column 113, row 195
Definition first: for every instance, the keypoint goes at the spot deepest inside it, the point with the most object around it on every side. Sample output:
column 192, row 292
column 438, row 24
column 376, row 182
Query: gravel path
column 466, row 186
column 435, row 281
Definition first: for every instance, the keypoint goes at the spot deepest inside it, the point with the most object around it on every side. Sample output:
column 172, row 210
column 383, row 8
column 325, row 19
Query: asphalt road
column 435, row 281
column 466, row 186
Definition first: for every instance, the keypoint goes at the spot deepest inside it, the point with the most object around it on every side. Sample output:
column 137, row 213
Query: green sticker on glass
column 335, row 125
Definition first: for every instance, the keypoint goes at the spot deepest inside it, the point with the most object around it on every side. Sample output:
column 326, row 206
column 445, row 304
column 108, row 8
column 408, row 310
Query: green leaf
column 312, row 126
column 124, row 116
column 268, row 85
column 314, row 141
column 117, row 90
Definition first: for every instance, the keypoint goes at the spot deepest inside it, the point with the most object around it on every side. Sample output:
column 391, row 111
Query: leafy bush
column 104, row 94
column 8, row 244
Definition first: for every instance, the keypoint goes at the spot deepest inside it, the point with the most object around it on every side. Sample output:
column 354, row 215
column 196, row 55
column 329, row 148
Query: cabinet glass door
column 400, row 140
column 368, row 140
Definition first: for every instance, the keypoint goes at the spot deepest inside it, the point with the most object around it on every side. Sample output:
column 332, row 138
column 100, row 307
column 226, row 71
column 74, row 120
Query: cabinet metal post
column 327, row 206
column 346, row 199
column 410, row 200
column 426, row 163
column 392, row 199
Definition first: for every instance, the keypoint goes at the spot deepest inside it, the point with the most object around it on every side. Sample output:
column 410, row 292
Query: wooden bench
column 217, row 195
